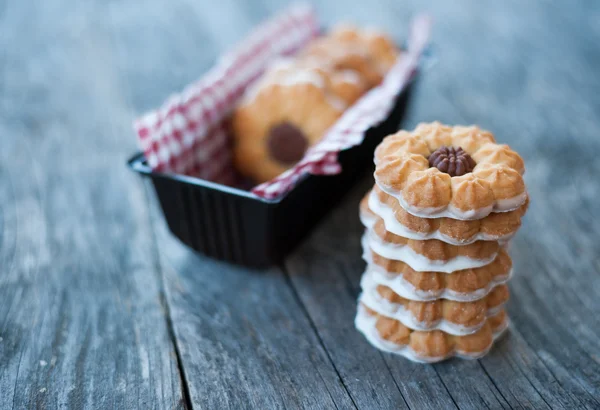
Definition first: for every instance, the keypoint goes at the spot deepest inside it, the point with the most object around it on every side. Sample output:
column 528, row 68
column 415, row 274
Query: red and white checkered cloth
column 187, row 134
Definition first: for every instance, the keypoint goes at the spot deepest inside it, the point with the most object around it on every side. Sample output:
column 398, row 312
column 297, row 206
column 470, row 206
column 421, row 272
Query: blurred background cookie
column 370, row 53
column 285, row 113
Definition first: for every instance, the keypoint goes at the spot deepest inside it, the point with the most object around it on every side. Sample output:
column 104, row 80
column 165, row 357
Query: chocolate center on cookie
column 452, row 161
column 286, row 143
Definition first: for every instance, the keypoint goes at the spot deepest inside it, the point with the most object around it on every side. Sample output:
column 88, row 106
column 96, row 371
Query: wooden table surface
column 100, row 307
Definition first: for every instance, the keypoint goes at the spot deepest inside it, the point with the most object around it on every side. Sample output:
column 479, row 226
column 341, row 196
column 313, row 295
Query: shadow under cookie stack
column 445, row 203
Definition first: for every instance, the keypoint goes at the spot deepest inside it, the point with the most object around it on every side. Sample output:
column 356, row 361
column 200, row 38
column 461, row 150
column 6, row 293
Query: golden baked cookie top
column 368, row 52
column 457, row 172
column 346, row 84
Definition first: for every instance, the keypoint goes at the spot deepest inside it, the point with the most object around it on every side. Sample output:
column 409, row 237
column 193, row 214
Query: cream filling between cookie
column 367, row 220
column 450, row 211
column 372, row 299
column 366, row 324
column 407, row 290
column 394, row 226
column 418, row 262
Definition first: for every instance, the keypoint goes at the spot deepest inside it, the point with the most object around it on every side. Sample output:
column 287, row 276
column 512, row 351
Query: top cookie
column 456, row 172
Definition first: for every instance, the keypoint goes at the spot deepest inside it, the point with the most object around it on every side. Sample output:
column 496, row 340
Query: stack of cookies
column 297, row 100
column 445, row 204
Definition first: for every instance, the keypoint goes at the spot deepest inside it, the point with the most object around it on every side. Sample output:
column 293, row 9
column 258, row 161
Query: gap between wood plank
column 165, row 303
column 387, row 366
column 314, row 328
column 493, row 383
column 445, row 387
column 17, row 379
column 184, row 384
column 515, row 366
column 561, row 385
column 554, row 377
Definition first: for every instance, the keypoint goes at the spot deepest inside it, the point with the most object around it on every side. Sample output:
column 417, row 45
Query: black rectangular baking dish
column 234, row 225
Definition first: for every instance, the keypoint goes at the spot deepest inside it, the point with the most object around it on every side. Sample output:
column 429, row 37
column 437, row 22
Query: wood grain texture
column 100, row 307
column 81, row 318
column 244, row 339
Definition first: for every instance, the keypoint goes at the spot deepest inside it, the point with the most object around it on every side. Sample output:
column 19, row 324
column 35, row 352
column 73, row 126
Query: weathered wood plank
column 244, row 340
column 81, row 319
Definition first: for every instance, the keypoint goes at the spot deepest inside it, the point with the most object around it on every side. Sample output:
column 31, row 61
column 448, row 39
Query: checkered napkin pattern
column 349, row 130
column 187, row 135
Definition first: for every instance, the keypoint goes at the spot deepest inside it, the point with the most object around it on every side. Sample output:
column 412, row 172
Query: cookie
column 463, row 285
column 285, row 113
column 456, row 172
column 429, row 255
column 450, row 316
column 392, row 336
column 369, row 53
column 497, row 226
